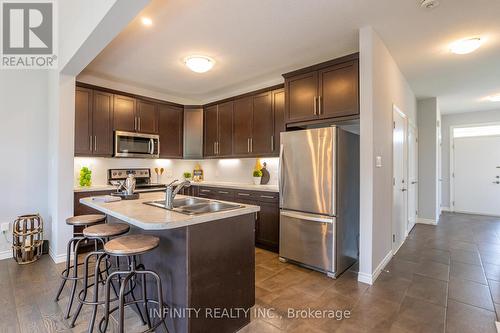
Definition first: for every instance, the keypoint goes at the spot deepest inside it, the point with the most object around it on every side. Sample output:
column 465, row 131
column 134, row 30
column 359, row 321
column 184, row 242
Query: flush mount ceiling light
column 493, row 98
column 199, row 64
column 465, row 46
column 147, row 21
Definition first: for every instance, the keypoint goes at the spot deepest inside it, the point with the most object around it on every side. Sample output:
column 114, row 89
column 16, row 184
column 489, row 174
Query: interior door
column 263, row 124
column 147, row 114
column 242, row 125
column 83, row 121
column 400, row 183
column 225, row 128
column 412, row 177
column 338, row 90
column 101, row 123
column 477, row 175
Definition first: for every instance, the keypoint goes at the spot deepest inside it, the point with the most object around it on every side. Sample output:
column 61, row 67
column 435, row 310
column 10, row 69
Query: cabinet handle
column 215, row 148
column 90, row 147
column 251, row 145
column 223, row 192
column 267, row 196
column 139, row 123
column 319, row 105
column 248, row 145
column 203, row 190
column 244, row 194
column 315, row 106
column 135, row 123
column 95, row 142
column 272, row 142
column 218, row 152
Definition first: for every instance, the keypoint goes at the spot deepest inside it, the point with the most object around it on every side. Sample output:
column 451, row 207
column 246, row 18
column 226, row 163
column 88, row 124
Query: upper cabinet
column 170, row 124
column 93, row 133
column 218, row 130
column 135, row 115
column 279, row 118
column 323, row 91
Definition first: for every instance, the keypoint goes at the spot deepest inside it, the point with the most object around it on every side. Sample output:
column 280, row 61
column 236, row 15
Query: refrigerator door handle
column 308, row 217
column 280, row 175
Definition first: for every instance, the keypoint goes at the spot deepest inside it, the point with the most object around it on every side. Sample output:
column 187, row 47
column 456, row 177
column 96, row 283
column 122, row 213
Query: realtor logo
column 28, row 32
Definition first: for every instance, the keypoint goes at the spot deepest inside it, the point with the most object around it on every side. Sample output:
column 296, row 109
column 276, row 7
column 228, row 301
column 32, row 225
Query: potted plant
column 257, row 176
column 187, row 175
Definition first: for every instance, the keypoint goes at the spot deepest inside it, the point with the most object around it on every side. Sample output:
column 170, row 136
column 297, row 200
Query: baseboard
column 370, row 278
column 445, row 209
column 58, row 259
column 498, row 326
column 426, row 221
column 7, row 254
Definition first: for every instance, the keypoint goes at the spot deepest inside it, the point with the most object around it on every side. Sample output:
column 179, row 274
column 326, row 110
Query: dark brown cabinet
column 124, row 114
column 170, row 124
column 262, row 141
column 323, row 91
column 147, row 117
column 93, row 134
column 279, row 117
column 218, row 130
column 243, row 114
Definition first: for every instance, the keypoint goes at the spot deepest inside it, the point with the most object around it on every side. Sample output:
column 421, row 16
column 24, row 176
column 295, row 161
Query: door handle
column 403, row 190
column 280, row 175
column 496, row 182
column 314, row 218
column 414, row 182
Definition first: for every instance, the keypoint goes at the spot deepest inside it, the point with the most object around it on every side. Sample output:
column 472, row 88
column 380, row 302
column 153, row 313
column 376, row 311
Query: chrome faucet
column 170, row 192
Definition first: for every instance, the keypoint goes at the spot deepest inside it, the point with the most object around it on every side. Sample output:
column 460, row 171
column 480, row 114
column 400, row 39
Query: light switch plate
column 378, row 161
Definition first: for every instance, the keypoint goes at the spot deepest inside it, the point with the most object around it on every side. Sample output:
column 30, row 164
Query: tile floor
column 445, row 278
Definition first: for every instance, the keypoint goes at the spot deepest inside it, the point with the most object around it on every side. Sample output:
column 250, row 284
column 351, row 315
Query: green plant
column 187, row 175
column 257, row 173
column 85, row 176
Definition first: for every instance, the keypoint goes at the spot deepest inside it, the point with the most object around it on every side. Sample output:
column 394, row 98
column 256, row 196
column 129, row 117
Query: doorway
column 400, row 179
column 475, row 169
column 412, row 177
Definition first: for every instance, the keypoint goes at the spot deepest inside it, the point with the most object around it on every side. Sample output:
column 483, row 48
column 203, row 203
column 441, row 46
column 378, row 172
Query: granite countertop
column 136, row 213
column 239, row 186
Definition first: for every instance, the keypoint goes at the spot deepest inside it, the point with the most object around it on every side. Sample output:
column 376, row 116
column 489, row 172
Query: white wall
column 24, row 141
column 447, row 121
column 223, row 170
column 382, row 85
column 429, row 159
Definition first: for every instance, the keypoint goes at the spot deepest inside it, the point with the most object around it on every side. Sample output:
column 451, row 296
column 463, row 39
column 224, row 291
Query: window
column 464, row 132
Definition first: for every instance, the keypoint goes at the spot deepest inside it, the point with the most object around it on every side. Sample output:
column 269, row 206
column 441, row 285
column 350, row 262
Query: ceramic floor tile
column 471, row 293
column 463, row 318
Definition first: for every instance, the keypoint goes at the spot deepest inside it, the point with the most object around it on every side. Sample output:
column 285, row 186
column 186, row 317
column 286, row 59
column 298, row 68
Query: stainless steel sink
column 195, row 206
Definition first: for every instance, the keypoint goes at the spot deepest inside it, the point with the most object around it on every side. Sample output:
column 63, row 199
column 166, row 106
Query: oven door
column 130, row 144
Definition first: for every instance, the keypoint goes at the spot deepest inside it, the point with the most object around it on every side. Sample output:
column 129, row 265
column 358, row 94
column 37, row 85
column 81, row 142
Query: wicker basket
column 27, row 238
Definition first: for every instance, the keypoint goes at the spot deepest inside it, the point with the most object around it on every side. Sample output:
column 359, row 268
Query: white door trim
column 451, row 206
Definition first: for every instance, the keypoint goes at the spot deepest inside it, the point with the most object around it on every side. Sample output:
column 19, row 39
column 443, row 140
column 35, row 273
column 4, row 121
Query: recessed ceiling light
column 199, row 64
column 493, row 98
column 465, row 46
column 147, row 21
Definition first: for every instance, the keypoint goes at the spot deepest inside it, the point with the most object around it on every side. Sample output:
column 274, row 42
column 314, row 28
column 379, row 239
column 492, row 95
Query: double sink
column 194, row 206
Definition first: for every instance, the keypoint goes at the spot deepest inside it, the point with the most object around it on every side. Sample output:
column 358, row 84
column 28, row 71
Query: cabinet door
column 242, row 125
column 338, row 90
column 268, row 230
column 279, row 117
column 124, row 113
column 263, row 124
column 170, row 127
column 147, row 117
column 210, row 131
column 301, row 91
column 225, row 129
column 83, row 121
column 101, row 124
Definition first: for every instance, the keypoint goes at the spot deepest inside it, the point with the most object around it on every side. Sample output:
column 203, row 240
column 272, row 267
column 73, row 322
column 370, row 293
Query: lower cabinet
column 267, row 224
column 80, row 209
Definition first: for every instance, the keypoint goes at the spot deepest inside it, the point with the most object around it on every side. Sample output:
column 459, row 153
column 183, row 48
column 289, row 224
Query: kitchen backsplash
column 222, row 170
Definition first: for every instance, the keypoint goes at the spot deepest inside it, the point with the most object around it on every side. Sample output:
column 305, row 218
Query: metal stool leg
column 66, row 272
column 85, row 285
column 75, row 276
column 121, row 309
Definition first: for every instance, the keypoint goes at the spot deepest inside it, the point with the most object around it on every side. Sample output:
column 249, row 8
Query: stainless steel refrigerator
column 319, row 199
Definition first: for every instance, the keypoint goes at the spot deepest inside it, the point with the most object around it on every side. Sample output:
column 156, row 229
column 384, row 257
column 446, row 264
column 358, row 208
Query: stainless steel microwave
column 139, row 145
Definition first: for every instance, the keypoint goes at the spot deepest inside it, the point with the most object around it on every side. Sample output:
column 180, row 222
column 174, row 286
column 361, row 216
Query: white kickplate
column 498, row 326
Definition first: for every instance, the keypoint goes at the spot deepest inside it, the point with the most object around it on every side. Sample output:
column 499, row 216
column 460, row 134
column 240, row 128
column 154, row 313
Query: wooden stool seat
column 106, row 230
column 131, row 245
column 83, row 220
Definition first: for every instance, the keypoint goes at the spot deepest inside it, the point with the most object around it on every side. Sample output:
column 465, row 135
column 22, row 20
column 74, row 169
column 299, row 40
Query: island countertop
column 146, row 217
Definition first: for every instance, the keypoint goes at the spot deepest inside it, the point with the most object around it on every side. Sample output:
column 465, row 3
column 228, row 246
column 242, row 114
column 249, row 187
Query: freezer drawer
column 308, row 239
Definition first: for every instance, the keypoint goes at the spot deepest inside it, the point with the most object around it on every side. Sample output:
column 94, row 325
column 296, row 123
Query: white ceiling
column 254, row 42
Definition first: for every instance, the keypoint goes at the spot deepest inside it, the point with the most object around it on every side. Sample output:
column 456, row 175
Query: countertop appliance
column 142, row 179
column 131, row 144
column 319, row 199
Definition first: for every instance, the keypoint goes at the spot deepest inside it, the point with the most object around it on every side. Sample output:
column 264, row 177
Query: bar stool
column 74, row 243
column 103, row 232
column 132, row 246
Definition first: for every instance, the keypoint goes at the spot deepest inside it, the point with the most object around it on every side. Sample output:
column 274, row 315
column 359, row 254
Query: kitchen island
column 206, row 262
